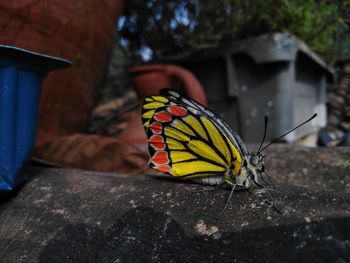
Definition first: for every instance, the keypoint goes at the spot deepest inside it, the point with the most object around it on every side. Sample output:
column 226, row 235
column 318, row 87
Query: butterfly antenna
column 228, row 200
column 278, row 138
column 265, row 129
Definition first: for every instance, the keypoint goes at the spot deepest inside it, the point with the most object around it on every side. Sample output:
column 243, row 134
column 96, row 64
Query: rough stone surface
column 322, row 168
column 64, row 215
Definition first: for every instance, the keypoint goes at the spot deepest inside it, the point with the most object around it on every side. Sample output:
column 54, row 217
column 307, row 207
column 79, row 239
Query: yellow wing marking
column 194, row 123
column 160, row 98
column 174, row 145
column 176, row 134
column 199, row 147
column 235, row 153
column 148, row 114
column 180, row 156
column 186, row 168
column 180, row 125
column 217, row 139
column 206, row 151
column 153, row 105
column 206, row 174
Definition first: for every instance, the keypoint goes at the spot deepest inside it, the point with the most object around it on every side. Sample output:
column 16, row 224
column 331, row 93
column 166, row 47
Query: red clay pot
column 149, row 80
column 80, row 31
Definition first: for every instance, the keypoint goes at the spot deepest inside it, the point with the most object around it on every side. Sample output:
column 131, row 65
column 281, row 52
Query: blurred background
column 284, row 59
column 246, row 77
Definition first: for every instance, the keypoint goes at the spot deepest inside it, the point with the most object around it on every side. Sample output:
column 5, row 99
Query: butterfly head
column 257, row 162
column 252, row 167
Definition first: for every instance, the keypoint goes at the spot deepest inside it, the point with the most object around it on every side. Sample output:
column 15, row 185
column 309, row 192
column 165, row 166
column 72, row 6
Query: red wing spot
column 157, row 142
column 177, row 110
column 156, row 127
column 160, row 157
column 162, row 116
column 163, row 168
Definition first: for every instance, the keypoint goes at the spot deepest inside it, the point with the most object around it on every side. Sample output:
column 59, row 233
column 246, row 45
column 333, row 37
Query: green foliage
column 175, row 27
column 316, row 22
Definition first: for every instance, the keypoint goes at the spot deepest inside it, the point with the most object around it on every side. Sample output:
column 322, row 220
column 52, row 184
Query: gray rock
column 64, row 215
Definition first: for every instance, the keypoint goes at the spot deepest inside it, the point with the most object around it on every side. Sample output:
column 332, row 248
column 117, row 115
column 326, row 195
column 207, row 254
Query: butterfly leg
column 229, row 198
column 269, row 201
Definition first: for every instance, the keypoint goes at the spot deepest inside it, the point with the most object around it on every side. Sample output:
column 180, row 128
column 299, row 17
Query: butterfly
column 189, row 141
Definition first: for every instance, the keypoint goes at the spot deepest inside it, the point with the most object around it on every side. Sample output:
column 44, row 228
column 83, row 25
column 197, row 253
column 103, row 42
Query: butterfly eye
column 254, row 160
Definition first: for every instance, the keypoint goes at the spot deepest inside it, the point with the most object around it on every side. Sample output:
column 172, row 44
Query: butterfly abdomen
column 213, row 180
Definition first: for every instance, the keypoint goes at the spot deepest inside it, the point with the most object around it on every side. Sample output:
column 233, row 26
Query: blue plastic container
column 21, row 75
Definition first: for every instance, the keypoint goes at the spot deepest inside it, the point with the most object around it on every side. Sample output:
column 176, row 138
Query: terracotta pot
column 149, row 80
column 80, row 31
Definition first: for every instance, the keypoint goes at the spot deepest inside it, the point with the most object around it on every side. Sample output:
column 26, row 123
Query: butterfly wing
column 150, row 105
column 223, row 126
column 186, row 143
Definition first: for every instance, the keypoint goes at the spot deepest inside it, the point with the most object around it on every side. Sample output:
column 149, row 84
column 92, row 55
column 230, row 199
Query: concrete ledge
column 78, row 216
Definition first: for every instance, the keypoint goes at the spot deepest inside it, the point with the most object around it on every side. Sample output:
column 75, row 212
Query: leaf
column 92, row 152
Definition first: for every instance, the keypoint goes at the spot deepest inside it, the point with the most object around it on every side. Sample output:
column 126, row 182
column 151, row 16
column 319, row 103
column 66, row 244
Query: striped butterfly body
column 188, row 141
